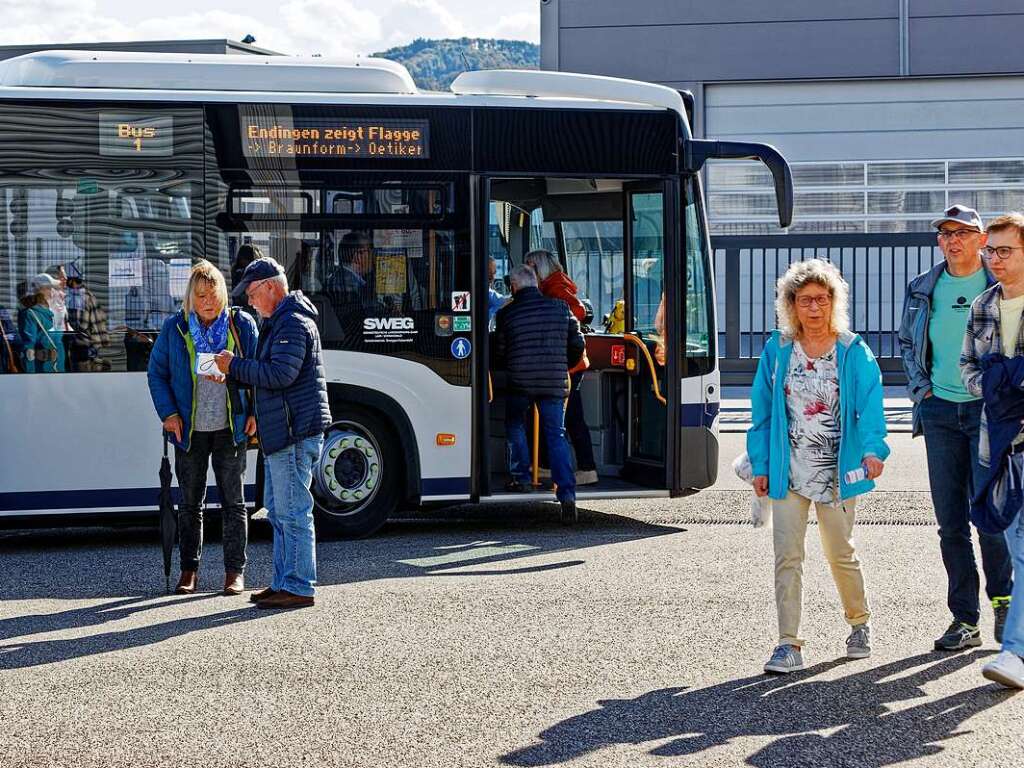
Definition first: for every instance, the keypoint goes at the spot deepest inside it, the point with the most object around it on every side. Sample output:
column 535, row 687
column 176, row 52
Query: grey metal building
column 889, row 110
column 222, row 46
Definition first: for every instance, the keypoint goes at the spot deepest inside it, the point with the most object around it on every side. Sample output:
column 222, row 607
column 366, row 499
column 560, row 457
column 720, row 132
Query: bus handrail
column 650, row 364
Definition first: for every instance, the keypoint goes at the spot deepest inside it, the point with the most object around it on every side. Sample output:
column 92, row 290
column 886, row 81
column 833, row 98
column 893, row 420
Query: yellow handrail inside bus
column 650, row 364
column 490, row 388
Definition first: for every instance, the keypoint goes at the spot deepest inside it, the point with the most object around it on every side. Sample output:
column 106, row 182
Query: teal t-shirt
column 951, row 303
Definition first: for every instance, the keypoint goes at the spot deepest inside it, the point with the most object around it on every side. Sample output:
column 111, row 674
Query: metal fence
column 877, row 267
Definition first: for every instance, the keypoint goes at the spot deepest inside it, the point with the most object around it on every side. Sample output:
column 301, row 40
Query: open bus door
column 618, row 241
column 647, row 294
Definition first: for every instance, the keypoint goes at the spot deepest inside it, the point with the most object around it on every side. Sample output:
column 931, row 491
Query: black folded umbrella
column 168, row 517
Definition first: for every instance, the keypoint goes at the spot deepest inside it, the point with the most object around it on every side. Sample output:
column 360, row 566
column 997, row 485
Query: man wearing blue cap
column 935, row 314
column 292, row 412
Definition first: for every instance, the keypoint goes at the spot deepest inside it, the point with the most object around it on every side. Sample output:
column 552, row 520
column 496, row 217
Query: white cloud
column 409, row 19
column 299, row 27
column 328, row 27
column 518, row 26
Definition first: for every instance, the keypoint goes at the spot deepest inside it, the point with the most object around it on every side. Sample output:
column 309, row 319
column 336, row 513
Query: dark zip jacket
column 287, row 375
column 537, row 340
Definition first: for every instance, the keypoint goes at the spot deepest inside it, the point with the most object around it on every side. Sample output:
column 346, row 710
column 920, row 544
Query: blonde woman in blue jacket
column 818, row 435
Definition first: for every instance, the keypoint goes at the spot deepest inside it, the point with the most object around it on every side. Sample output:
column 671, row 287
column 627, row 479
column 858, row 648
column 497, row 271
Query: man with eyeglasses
column 935, row 313
column 994, row 327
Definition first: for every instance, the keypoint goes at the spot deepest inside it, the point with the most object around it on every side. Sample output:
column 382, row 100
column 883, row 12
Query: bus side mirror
column 697, row 151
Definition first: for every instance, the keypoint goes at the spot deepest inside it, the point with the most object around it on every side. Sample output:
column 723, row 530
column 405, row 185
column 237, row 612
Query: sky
column 341, row 28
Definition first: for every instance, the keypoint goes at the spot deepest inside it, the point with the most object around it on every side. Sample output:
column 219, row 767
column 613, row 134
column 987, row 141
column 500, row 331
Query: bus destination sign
column 136, row 135
column 351, row 139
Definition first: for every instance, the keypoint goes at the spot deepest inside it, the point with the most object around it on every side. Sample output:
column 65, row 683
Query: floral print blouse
column 812, row 405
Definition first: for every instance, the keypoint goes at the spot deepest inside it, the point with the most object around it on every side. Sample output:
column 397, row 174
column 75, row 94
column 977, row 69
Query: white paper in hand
column 206, row 365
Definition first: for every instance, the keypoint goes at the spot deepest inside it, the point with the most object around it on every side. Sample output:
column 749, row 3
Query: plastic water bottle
column 856, row 475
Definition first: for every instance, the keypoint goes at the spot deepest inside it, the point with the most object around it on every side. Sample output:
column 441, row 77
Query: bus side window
column 698, row 343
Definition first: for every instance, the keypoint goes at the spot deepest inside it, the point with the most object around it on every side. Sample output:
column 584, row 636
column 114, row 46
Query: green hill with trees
column 433, row 64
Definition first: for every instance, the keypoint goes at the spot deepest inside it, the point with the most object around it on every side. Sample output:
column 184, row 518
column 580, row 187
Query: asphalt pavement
column 493, row 636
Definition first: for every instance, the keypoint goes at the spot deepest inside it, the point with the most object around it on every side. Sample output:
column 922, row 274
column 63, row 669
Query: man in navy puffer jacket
column 537, row 340
column 292, row 412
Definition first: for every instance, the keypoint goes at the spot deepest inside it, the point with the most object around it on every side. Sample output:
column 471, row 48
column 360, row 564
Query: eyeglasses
column 253, row 287
column 806, row 301
column 957, row 234
column 1003, row 251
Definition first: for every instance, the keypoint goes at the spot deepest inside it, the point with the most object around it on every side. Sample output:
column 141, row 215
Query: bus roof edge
column 568, row 85
column 179, row 71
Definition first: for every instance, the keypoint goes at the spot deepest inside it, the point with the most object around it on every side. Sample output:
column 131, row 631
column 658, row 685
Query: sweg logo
column 388, row 324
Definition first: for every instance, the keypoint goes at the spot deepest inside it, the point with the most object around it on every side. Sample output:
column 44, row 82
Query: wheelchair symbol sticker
column 461, row 348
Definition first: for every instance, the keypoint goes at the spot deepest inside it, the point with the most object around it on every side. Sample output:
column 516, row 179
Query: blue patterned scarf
column 209, row 339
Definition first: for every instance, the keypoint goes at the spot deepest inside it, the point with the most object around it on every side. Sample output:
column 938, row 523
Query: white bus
column 126, row 167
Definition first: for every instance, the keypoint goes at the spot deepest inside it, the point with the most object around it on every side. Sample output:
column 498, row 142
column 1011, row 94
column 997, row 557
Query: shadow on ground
column 126, row 564
column 34, row 653
column 857, row 709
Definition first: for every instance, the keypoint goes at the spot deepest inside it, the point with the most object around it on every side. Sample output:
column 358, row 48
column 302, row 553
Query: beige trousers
column 835, row 526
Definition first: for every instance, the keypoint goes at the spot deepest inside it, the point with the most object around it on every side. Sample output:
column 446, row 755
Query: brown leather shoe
column 285, row 599
column 187, row 583
column 263, row 594
column 234, row 583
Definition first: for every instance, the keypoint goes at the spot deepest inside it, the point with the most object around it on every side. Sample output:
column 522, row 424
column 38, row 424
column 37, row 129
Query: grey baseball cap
column 962, row 215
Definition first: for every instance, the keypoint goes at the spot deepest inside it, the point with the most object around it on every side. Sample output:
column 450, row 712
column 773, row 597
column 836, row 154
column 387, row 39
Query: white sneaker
column 1006, row 669
column 785, row 659
column 586, row 476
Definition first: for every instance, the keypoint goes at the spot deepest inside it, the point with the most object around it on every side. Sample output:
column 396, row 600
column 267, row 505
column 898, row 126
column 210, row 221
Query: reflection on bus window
column 593, row 256
column 116, row 243
column 648, row 260
column 697, row 302
column 396, row 200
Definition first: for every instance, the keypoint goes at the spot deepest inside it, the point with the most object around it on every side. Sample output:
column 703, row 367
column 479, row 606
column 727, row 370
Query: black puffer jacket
column 537, row 340
column 288, row 376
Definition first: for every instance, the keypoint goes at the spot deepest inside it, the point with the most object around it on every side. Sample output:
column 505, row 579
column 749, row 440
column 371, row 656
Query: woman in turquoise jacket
column 818, row 435
column 44, row 344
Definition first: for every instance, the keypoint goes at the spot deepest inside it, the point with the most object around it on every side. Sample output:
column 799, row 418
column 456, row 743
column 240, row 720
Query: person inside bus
column 10, row 343
column 246, row 254
column 43, row 350
column 556, row 284
column 353, row 282
column 817, row 435
column 495, row 299
column 302, row 273
column 86, row 321
column 537, row 340
column 208, row 420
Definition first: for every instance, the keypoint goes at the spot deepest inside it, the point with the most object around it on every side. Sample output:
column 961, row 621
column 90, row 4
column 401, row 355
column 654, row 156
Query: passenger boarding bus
column 385, row 205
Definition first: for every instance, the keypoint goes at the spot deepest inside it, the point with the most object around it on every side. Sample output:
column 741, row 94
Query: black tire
column 365, row 467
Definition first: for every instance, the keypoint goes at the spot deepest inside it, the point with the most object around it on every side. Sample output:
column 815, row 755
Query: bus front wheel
column 357, row 483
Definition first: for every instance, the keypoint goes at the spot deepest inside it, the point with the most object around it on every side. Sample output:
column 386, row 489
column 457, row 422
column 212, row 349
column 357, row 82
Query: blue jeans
column 290, row 511
column 552, row 426
column 1013, row 635
column 951, row 442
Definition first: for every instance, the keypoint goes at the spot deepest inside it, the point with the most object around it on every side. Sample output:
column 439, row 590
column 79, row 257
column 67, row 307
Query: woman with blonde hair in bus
column 556, row 284
column 208, row 419
column 817, row 435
